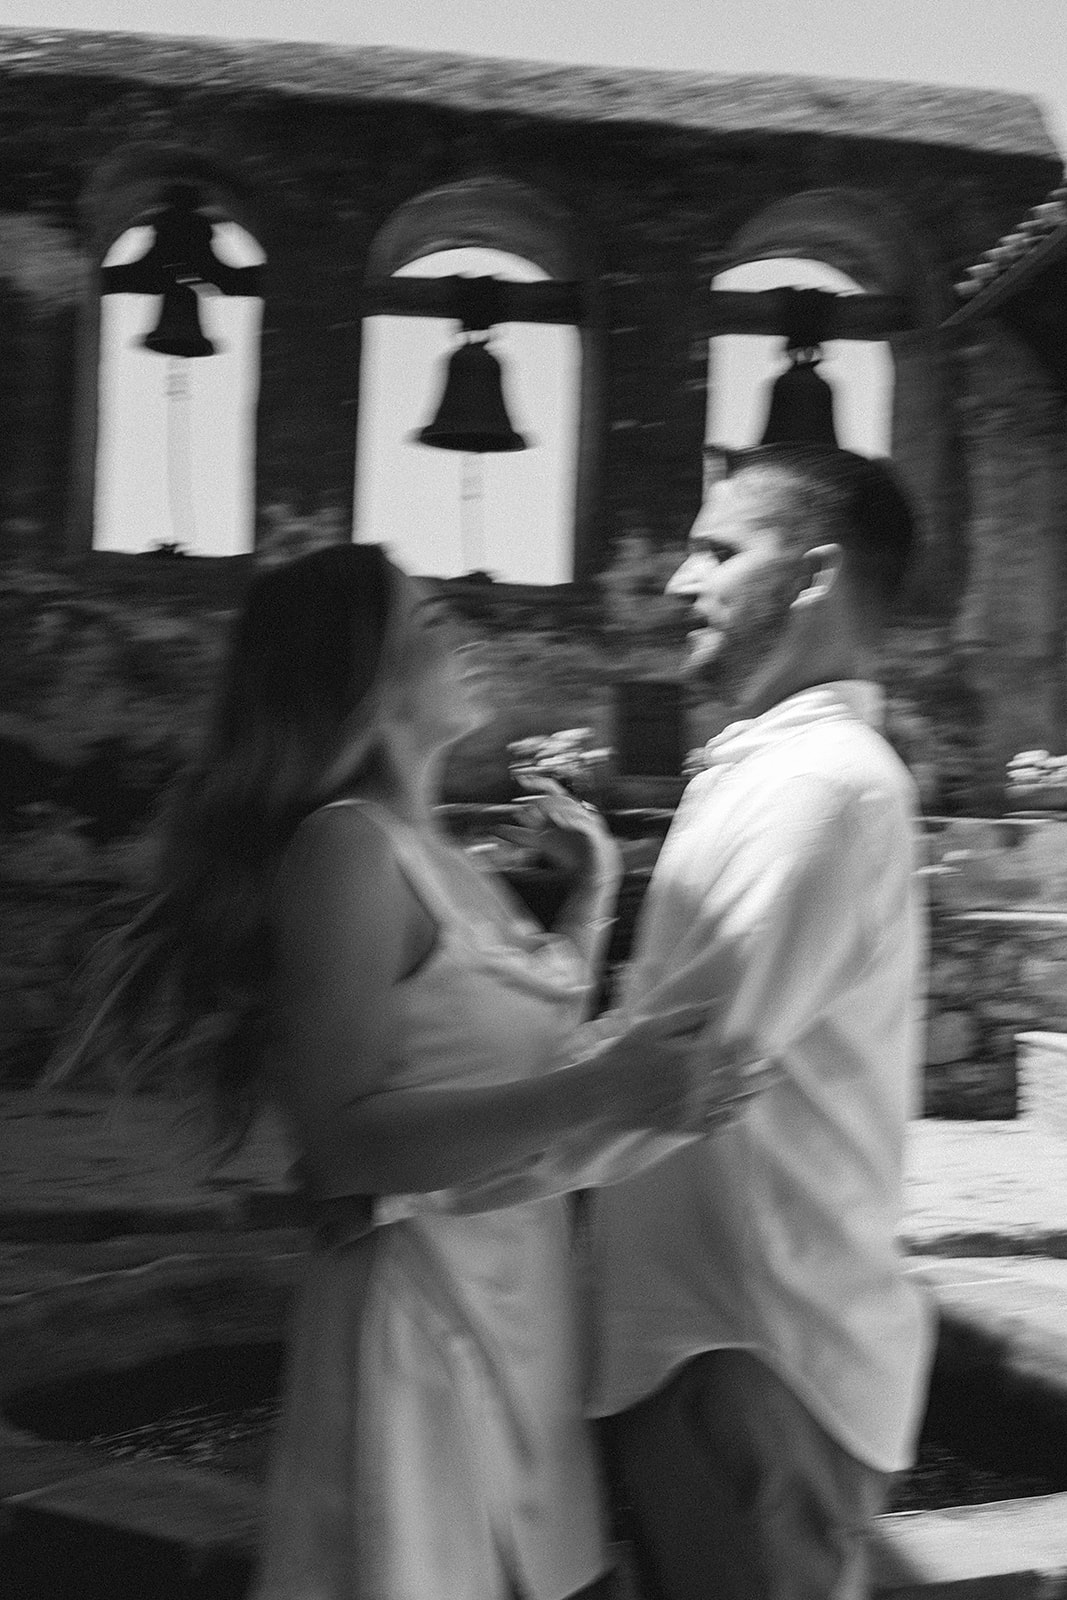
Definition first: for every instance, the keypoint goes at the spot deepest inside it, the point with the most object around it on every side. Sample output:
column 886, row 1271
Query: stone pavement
column 985, row 1188
column 100, row 1209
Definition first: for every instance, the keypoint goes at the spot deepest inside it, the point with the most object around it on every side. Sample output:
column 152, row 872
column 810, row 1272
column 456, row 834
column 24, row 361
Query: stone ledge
column 89, row 1224
column 1008, row 1550
column 269, row 1212
column 203, row 1511
column 153, row 1530
column 253, row 1210
column 1007, row 1316
column 1029, row 1242
column 28, row 1463
column 264, row 1212
column 109, row 1322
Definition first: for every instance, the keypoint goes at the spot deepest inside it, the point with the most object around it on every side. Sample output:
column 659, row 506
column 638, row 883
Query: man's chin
column 715, row 677
column 703, row 659
column 705, row 647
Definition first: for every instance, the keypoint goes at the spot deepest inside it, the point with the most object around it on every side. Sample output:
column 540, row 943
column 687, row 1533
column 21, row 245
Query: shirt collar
column 847, row 699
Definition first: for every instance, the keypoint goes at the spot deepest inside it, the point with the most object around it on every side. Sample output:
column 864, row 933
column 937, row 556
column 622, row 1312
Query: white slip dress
column 431, row 1445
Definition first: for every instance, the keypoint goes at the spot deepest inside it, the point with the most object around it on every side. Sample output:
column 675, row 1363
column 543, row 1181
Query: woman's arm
column 591, row 1157
column 343, row 920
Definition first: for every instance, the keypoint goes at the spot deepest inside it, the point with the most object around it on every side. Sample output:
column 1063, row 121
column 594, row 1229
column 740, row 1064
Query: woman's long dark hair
column 178, row 994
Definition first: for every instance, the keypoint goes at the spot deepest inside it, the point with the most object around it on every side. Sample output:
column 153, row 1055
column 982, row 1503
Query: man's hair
column 824, row 496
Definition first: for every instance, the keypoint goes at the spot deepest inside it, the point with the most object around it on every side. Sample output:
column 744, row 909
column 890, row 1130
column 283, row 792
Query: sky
column 1018, row 45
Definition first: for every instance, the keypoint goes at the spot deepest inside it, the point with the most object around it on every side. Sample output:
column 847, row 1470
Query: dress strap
column 411, row 857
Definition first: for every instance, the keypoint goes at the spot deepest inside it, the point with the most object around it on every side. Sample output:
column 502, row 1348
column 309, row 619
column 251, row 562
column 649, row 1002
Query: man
column 761, row 1355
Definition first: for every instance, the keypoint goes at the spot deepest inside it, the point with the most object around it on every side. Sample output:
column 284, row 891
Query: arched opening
column 539, row 508
column 863, row 236
column 443, row 513
column 175, row 442
column 742, row 367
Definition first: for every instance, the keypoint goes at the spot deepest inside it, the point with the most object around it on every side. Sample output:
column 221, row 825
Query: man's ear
column 821, row 569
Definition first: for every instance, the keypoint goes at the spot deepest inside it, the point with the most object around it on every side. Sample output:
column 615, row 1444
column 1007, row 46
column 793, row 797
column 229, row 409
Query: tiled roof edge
column 1014, row 260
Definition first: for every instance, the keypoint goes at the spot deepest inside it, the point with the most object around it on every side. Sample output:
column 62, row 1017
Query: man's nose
column 683, row 581
column 704, row 523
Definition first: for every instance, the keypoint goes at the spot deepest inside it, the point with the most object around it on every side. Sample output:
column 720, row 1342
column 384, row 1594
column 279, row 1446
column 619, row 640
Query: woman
column 317, row 930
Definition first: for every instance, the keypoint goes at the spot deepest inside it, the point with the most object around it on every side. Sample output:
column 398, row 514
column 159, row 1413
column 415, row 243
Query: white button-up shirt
column 785, row 895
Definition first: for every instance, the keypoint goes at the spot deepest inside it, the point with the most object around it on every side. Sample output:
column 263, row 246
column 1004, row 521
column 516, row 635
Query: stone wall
column 993, row 975
column 998, row 961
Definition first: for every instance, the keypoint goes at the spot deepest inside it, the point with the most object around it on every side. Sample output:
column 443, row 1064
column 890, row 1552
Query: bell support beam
column 550, row 300
column 149, row 276
column 853, row 316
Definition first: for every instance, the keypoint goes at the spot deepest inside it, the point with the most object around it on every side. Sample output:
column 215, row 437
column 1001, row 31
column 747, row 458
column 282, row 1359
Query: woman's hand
column 660, row 1075
column 725, row 1085
column 571, row 835
column 650, row 1077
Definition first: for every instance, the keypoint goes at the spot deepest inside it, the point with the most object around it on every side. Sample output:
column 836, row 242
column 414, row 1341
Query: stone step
column 147, row 1529
column 161, row 1532
column 86, row 1224
column 249, row 1208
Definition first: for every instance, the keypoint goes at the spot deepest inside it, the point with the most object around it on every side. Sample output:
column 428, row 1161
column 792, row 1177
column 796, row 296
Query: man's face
column 740, row 581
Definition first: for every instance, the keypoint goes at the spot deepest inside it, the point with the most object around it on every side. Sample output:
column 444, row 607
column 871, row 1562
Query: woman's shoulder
column 343, row 893
column 335, row 848
column 343, row 825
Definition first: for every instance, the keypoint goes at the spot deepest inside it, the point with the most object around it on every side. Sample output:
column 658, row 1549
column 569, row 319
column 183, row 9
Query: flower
column 565, row 756
column 1036, row 769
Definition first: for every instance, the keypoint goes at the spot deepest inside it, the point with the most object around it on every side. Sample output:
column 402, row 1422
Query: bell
column 178, row 331
column 802, row 405
column 471, row 415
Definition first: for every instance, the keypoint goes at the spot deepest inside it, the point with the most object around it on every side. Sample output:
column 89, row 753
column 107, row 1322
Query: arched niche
column 864, row 236
column 445, row 514
column 117, row 200
column 743, row 367
column 853, row 231
column 484, row 212
column 493, row 213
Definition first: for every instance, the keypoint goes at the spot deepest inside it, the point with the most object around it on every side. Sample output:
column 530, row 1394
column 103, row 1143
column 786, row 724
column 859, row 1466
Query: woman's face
column 444, row 686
